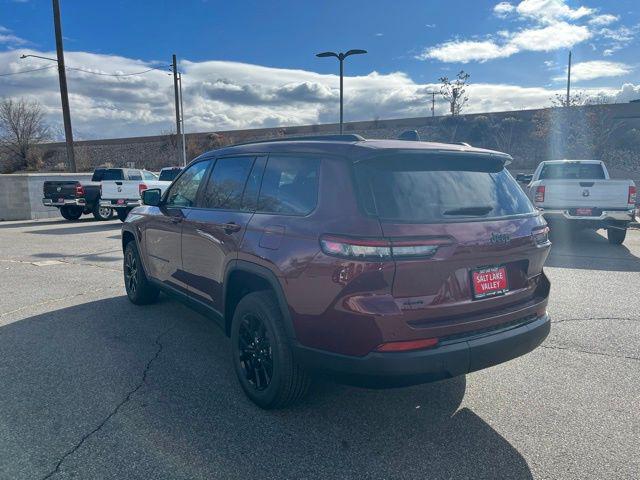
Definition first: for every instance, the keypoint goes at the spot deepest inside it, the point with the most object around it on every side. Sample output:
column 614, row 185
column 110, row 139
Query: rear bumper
column 448, row 359
column 606, row 216
column 80, row 202
column 127, row 203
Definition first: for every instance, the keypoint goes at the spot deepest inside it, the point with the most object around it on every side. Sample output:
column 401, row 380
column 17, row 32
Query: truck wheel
column 102, row 213
column 139, row 290
column 122, row 213
column 262, row 356
column 70, row 212
column 616, row 235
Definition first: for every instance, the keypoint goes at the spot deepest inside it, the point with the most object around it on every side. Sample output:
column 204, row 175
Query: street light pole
column 177, row 99
column 433, row 103
column 64, row 94
column 569, row 81
column 341, row 57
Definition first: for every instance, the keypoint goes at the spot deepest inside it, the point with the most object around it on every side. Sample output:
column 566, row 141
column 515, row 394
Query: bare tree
column 454, row 91
column 575, row 100
column 22, row 126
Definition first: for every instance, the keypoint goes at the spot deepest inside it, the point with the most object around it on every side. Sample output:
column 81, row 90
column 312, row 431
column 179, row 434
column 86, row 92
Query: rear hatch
column 57, row 190
column 466, row 239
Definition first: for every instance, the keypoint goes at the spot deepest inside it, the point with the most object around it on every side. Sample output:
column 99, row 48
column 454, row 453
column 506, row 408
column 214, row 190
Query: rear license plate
column 584, row 212
column 489, row 281
column 121, row 202
column 61, row 200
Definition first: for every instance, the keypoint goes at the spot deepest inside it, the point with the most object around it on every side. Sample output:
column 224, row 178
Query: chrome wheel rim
column 104, row 212
column 255, row 353
column 131, row 272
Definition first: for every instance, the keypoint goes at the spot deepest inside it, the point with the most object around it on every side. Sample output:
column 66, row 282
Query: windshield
column 423, row 189
column 575, row 171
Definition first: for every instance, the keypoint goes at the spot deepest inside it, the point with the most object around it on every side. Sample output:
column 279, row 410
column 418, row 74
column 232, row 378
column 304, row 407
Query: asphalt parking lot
column 93, row 387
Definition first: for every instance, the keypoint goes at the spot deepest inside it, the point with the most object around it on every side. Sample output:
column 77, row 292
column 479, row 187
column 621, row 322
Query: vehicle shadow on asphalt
column 72, row 230
column 117, row 391
column 589, row 250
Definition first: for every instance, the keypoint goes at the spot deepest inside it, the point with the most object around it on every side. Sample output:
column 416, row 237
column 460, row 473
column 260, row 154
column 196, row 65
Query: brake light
column 407, row 345
column 141, row 188
column 381, row 249
column 79, row 190
column 540, row 235
column 539, row 197
column 632, row 195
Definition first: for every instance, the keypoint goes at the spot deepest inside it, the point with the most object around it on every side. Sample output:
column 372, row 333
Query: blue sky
column 515, row 52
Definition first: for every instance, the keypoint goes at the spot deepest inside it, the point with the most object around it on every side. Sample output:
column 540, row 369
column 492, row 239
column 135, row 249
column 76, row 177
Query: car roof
column 353, row 146
column 555, row 162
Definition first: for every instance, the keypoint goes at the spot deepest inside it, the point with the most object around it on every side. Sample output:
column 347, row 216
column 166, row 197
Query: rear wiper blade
column 469, row 211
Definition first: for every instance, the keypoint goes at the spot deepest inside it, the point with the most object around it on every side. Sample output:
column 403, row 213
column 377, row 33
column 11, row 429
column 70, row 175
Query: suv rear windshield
column 575, row 171
column 430, row 188
column 113, row 174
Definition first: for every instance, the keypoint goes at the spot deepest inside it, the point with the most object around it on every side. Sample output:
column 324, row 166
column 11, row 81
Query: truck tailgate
column 120, row 189
column 586, row 193
column 59, row 189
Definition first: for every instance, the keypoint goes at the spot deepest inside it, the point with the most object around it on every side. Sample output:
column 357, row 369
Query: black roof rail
column 348, row 137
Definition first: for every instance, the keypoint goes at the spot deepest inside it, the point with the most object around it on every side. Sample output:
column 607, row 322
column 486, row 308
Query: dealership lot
column 94, row 387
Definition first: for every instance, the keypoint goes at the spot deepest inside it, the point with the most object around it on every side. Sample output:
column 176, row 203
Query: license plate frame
column 120, row 201
column 584, row 212
column 495, row 275
column 61, row 200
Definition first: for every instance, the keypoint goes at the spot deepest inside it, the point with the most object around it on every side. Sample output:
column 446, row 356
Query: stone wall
column 21, row 195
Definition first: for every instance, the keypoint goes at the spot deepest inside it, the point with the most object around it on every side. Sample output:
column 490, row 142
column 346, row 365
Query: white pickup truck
column 122, row 188
column 580, row 194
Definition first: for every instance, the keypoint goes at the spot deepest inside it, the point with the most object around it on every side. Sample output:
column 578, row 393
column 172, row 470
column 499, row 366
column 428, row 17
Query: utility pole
column 433, row 103
column 184, row 143
column 64, row 94
column 569, row 81
column 177, row 100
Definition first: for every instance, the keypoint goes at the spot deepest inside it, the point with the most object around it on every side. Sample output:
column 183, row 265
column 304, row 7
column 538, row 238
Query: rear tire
column 139, row 289
column 262, row 356
column 70, row 212
column 616, row 235
column 122, row 213
column 102, row 213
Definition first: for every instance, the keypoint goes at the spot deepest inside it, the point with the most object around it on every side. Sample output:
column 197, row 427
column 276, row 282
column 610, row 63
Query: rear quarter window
column 289, row 185
column 434, row 189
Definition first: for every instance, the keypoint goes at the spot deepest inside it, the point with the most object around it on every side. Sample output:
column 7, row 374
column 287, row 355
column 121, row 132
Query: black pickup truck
column 74, row 198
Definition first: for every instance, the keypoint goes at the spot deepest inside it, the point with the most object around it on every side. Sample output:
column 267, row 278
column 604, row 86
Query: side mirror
column 524, row 177
column 151, row 197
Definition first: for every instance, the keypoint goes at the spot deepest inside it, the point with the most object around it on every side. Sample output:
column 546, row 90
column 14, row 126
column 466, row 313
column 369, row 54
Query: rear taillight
column 407, row 345
column 141, row 188
column 79, row 190
column 632, row 195
column 540, row 235
column 380, row 249
column 539, row 197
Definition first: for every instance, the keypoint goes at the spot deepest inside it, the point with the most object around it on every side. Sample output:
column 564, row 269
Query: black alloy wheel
column 254, row 350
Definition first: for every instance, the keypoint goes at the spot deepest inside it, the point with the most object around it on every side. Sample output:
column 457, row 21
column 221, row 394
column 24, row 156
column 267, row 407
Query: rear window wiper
column 482, row 210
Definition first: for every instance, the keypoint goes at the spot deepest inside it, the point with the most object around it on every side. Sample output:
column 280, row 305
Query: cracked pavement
column 93, row 387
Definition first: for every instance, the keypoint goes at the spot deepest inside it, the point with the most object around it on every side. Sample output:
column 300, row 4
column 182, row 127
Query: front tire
column 262, row 355
column 616, row 235
column 70, row 212
column 139, row 289
column 102, row 213
column 122, row 213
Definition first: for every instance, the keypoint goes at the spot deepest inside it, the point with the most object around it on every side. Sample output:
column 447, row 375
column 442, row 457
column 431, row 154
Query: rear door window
column 572, row 171
column 431, row 188
column 289, row 185
column 226, row 184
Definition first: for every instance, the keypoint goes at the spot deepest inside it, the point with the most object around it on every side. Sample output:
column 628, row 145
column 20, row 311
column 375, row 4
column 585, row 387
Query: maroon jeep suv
column 379, row 262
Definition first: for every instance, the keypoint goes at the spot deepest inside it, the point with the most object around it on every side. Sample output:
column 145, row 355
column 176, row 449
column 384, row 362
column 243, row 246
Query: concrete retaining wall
column 21, row 195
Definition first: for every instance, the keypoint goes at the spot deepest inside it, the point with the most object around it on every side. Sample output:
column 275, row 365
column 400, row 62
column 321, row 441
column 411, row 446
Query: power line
column 26, row 71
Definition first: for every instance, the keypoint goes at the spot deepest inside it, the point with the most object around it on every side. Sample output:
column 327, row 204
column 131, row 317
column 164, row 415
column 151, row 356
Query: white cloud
column 596, row 69
column 548, row 25
column 503, row 9
column 604, row 19
column 8, row 38
column 222, row 95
